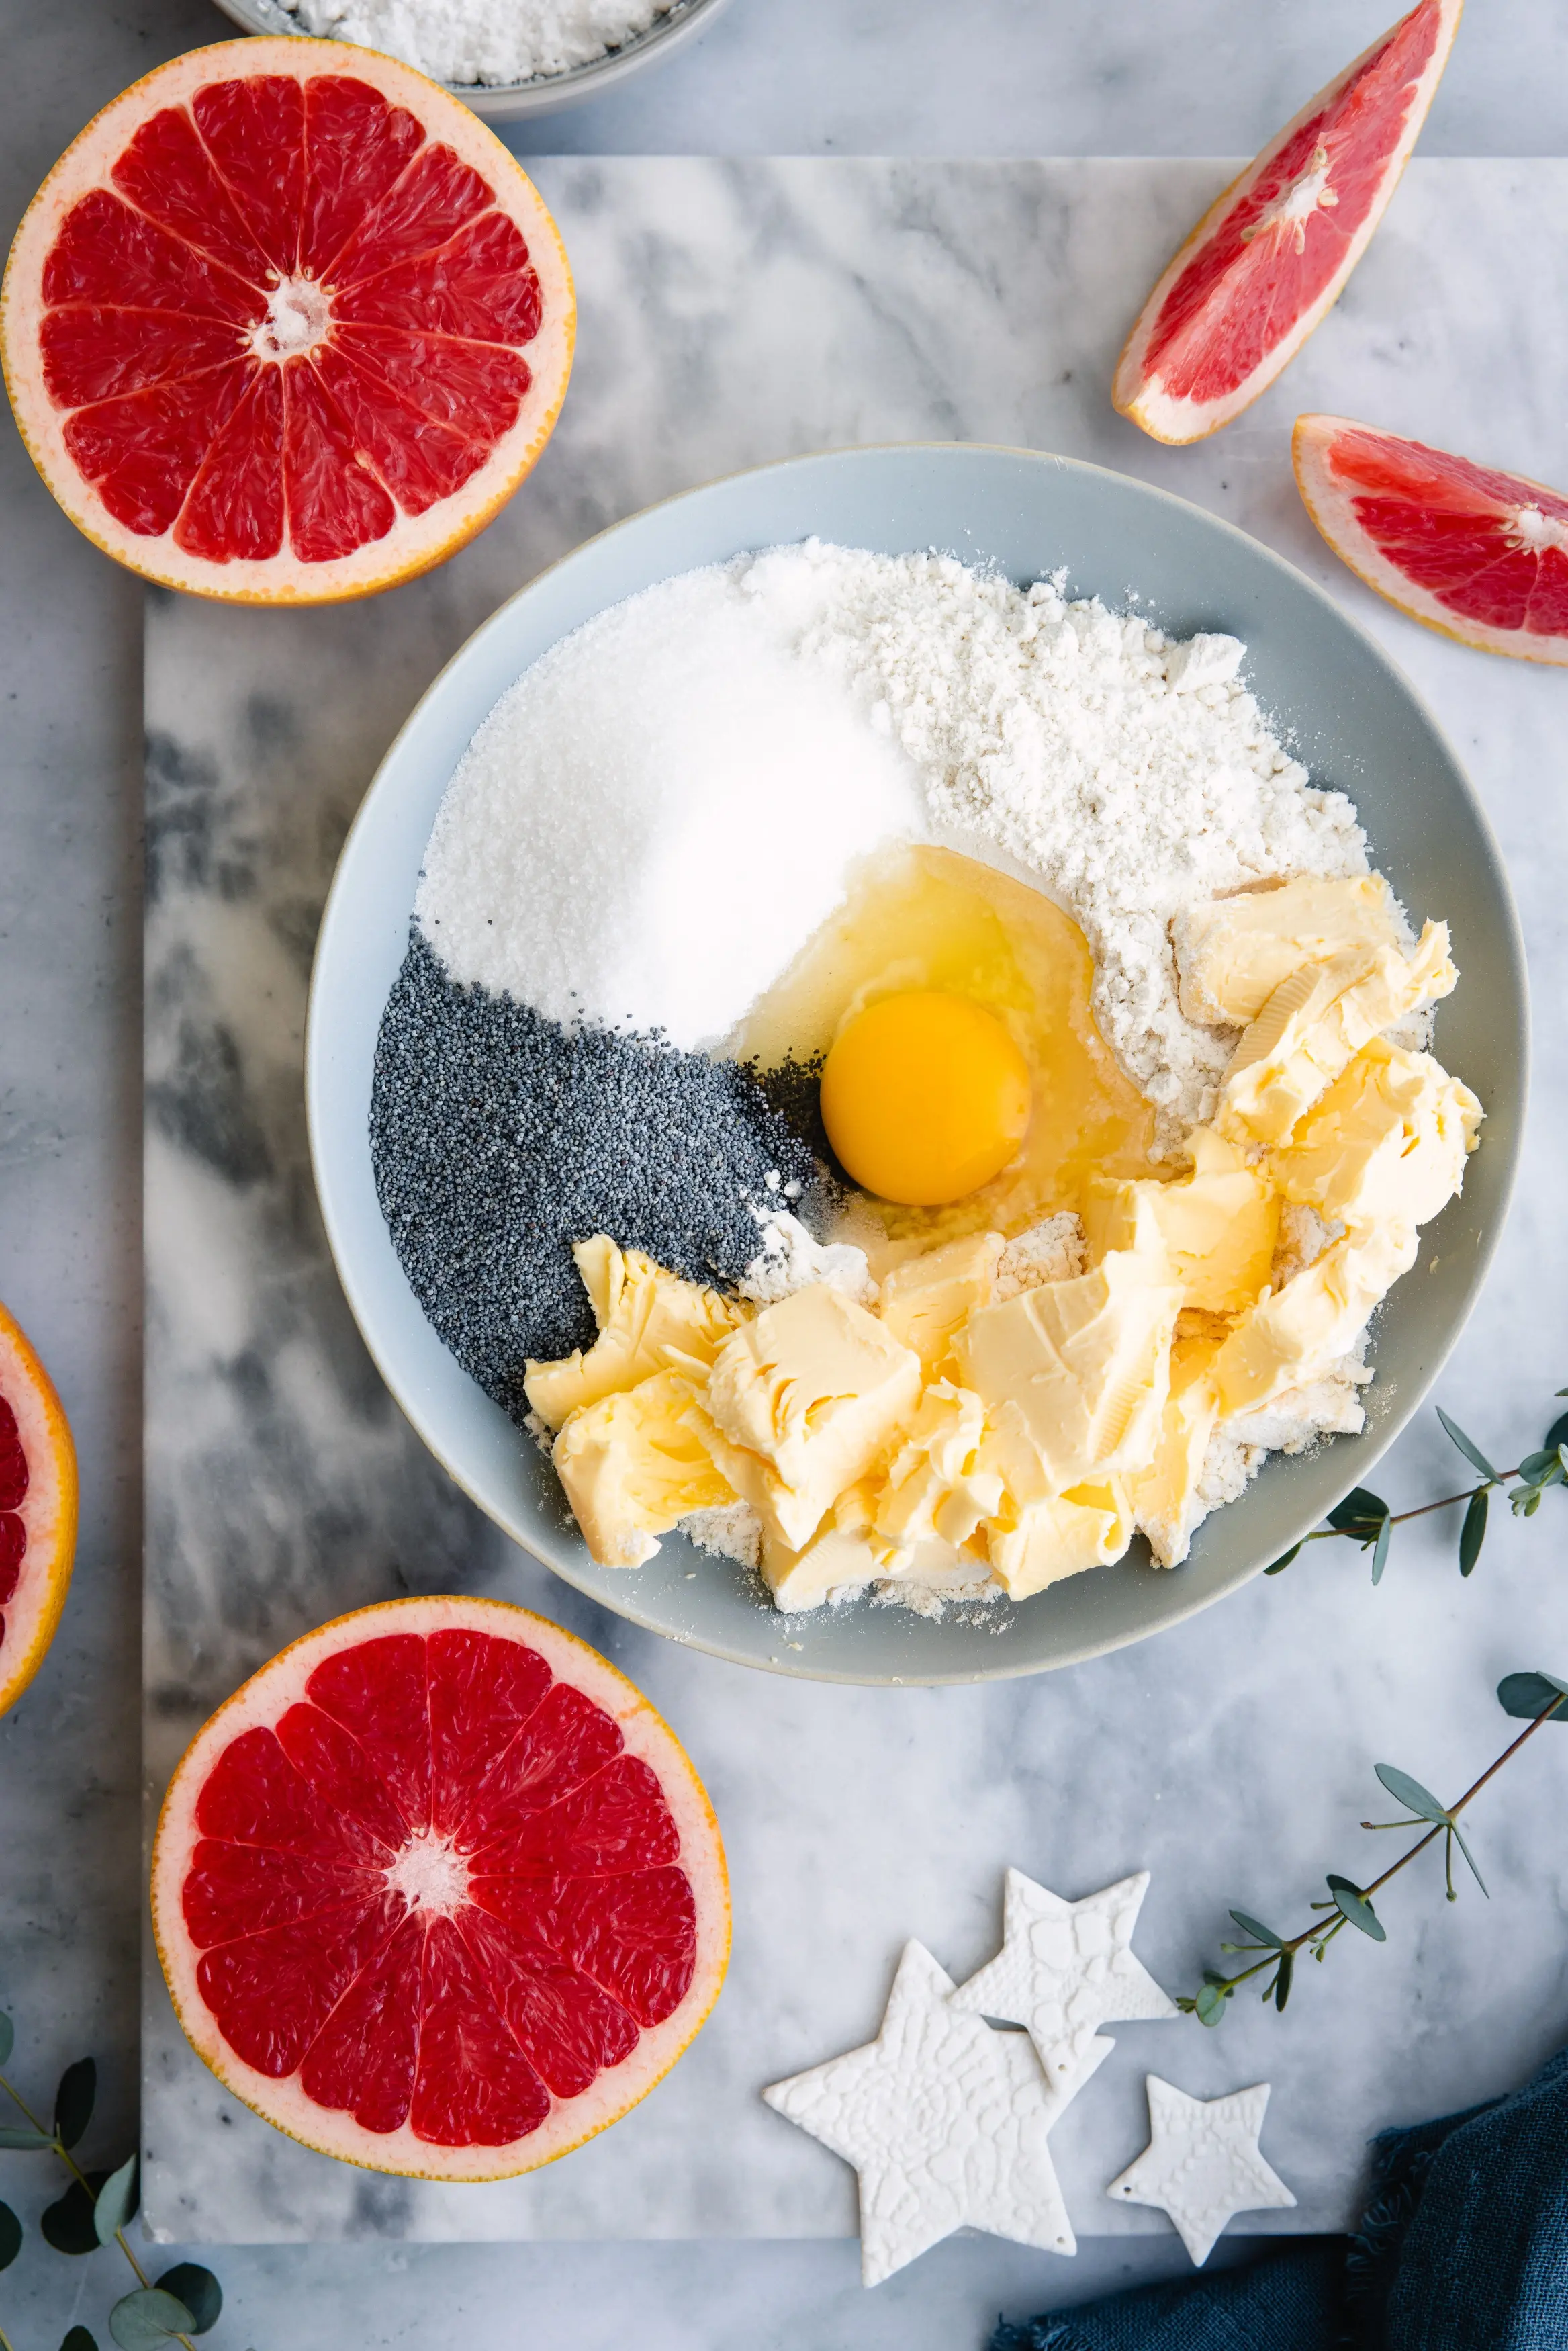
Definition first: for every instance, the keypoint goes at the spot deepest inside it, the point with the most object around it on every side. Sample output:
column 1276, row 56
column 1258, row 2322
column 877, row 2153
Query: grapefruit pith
column 1272, row 255
column 285, row 323
column 1479, row 554
column 437, row 1891
column 38, row 1510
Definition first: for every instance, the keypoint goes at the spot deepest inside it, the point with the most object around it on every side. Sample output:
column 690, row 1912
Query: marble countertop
column 1405, row 1672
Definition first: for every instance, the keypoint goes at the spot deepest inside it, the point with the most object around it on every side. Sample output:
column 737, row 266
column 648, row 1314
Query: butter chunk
column 649, row 1320
column 1315, row 1023
column 807, row 1396
column 1291, row 1338
column 841, row 1555
column 925, row 1300
column 1165, row 1497
column 936, row 1490
column 633, row 1464
column 1219, row 1224
column 1089, row 1526
column 1037, row 1536
column 1084, row 1364
column 1233, row 954
column 1386, row 1143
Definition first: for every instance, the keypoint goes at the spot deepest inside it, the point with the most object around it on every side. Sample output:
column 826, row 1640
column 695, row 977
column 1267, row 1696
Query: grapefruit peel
column 39, row 1494
column 1282, row 239
column 1492, row 546
column 646, row 1737
column 281, row 317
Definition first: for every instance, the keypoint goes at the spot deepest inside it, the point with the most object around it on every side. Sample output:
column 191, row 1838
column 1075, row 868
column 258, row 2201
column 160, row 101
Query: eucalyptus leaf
column 1542, row 1469
column 1362, row 1513
column 1356, row 1909
column 1281, row 1565
column 73, row 2101
column 10, row 2236
column 147, row 2319
column 1458, row 1835
column 1467, row 1446
column 1531, row 1694
column 1472, row 1534
column 68, row 2224
column 1558, row 1432
column 1380, row 1550
column 115, row 2201
column 1410, row 1794
column 1209, row 2005
column 199, row 2292
column 1281, row 1987
column 31, row 2140
column 7, row 2038
column 78, row 2339
column 1260, row 1934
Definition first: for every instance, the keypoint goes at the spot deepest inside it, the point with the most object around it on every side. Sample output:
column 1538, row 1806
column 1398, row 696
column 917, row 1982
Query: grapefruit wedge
column 286, row 324
column 1271, row 255
column 38, row 1510
column 1478, row 554
column 438, row 1892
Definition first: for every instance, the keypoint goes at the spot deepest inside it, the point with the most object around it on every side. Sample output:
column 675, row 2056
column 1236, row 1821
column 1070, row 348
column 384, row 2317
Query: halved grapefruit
column 38, row 1510
column 437, row 1891
column 1479, row 554
column 1272, row 255
column 286, row 324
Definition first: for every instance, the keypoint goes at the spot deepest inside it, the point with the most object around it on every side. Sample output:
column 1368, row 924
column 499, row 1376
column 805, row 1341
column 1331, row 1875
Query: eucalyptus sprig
column 1540, row 1698
column 94, row 2211
column 1366, row 1518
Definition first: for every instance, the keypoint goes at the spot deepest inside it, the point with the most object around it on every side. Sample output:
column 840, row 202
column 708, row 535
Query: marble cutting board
column 734, row 312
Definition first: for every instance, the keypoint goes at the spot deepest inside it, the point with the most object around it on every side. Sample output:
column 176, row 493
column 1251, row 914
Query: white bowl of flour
column 503, row 57
column 1333, row 703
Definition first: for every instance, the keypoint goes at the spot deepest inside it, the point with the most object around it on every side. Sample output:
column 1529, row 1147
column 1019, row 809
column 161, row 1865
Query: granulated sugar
column 649, row 825
column 489, row 41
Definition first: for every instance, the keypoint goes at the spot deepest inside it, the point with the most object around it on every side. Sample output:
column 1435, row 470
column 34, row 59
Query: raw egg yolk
column 925, row 1097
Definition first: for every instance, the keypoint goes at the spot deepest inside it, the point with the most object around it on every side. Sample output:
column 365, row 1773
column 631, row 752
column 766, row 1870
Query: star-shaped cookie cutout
column 1202, row 2162
column 945, row 2122
column 1067, row 1968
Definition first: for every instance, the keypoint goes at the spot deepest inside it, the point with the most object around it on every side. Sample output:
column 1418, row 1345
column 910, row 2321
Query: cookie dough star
column 1067, row 1968
column 945, row 2122
column 1202, row 2162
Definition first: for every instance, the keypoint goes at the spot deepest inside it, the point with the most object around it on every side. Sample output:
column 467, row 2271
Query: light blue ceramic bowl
column 1342, row 705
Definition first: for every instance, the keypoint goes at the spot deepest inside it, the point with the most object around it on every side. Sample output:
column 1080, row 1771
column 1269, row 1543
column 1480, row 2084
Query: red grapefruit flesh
column 38, row 1510
column 438, row 1892
column 1481, row 555
column 1272, row 254
column 286, row 324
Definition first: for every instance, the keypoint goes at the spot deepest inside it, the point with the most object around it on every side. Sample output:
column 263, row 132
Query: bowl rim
column 514, row 101
column 1376, row 1437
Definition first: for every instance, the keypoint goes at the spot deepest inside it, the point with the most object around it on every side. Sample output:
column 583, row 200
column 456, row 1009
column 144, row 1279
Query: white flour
column 484, row 40
column 1128, row 777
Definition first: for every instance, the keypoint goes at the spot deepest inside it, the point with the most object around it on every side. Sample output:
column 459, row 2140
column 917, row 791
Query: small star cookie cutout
column 1067, row 1968
column 945, row 2122
column 1202, row 2163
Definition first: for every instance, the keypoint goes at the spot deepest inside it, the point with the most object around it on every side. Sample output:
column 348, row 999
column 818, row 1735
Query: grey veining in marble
column 733, row 312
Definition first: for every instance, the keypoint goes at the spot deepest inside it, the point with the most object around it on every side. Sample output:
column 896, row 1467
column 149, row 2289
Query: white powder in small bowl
column 491, row 41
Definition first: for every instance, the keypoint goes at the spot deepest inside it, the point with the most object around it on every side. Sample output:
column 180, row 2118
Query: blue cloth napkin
column 1462, row 2247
